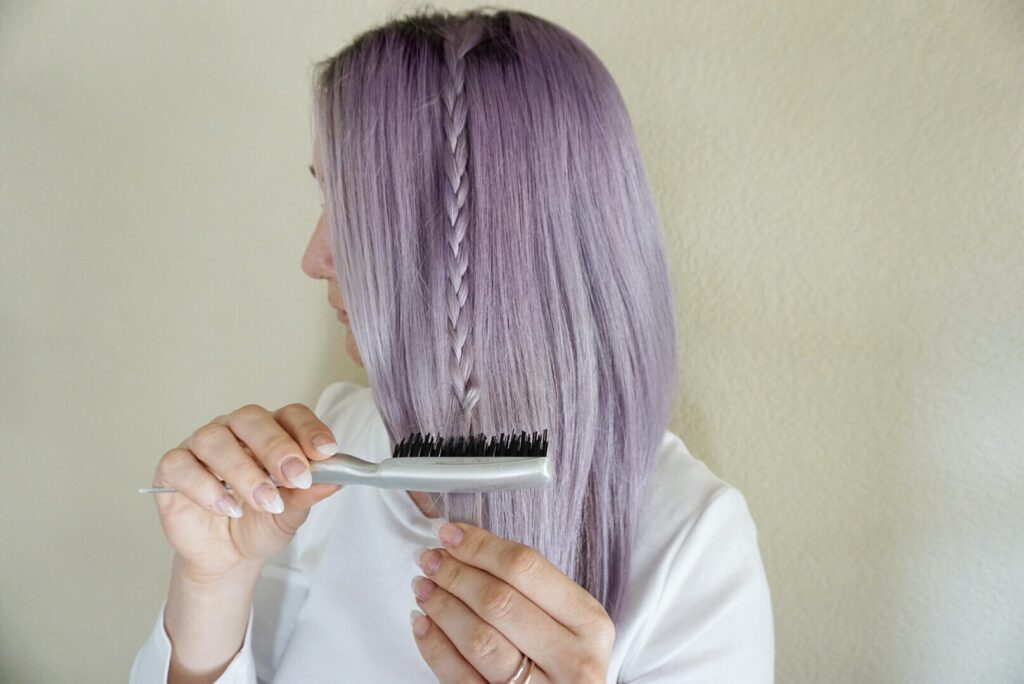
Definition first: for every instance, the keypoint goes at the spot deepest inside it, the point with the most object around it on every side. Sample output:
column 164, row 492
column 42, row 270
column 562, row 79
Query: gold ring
column 525, row 667
column 529, row 673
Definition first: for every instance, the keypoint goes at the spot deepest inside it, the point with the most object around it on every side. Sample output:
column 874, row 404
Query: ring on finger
column 523, row 672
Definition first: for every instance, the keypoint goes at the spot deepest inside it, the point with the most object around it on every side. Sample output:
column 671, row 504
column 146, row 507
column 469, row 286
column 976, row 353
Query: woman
column 488, row 220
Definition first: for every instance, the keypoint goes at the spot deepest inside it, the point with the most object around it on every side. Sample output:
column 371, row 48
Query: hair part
column 500, row 254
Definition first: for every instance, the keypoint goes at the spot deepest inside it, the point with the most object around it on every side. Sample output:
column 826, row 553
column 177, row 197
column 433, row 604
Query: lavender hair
column 502, row 261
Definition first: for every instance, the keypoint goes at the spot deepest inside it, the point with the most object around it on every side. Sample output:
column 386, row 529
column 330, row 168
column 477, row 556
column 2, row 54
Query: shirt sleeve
column 153, row 660
column 713, row 622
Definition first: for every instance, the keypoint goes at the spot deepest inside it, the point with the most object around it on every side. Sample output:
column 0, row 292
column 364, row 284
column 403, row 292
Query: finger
column 316, row 439
column 501, row 606
column 529, row 572
column 216, row 446
column 480, row 643
column 297, row 502
column 277, row 450
column 180, row 469
column 439, row 653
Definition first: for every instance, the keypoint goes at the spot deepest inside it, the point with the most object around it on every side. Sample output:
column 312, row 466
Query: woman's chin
column 352, row 349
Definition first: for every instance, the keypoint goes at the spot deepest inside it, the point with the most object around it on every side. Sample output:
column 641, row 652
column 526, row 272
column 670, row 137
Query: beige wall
column 841, row 184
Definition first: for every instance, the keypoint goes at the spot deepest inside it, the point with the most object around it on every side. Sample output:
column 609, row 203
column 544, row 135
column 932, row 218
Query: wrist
column 202, row 581
column 205, row 618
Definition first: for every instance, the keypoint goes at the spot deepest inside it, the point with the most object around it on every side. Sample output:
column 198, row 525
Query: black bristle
column 502, row 445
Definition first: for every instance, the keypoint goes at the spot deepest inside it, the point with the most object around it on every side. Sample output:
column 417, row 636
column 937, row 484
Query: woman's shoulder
column 682, row 488
column 698, row 596
column 689, row 510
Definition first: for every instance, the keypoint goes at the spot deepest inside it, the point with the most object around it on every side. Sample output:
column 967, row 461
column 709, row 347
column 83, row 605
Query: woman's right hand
column 244, row 448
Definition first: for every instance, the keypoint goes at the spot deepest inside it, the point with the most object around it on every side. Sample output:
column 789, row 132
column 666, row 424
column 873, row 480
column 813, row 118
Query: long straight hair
column 501, row 258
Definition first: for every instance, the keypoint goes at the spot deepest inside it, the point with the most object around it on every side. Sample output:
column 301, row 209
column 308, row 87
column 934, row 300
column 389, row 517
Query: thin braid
column 455, row 159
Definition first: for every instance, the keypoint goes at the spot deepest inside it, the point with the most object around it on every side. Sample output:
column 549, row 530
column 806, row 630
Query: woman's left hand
column 489, row 601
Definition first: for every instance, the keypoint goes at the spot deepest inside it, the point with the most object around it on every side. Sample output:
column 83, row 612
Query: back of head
column 502, row 262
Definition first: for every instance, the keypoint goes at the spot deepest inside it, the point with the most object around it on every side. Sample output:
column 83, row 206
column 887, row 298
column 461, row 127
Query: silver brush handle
column 427, row 474
column 463, row 473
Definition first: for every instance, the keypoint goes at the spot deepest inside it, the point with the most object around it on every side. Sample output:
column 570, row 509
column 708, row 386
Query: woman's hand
column 213, row 530
column 489, row 601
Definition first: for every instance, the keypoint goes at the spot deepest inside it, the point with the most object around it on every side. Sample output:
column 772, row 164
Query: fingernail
column 422, row 587
column 436, row 524
column 427, row 559
column 266, row 495
column 297, row 472
column 420, row 623
column 324, row 445
column 450, row 535
column 226, row 505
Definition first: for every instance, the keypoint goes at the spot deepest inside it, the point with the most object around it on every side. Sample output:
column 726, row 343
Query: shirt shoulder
column 682, row 481
column 682, row 490
column 698, row 608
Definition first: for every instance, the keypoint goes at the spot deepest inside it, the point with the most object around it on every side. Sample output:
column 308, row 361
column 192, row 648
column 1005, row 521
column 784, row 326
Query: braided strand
column 456, row 193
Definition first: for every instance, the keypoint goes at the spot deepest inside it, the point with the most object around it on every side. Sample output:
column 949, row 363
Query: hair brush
column 422, row 464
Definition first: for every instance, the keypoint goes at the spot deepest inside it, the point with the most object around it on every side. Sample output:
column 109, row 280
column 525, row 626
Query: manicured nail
column 226, row 505
column 428, row 559
column 324, row 445
column 420, row 623
column 297, row 472
column 422, row 587
column 450, row 535
column 266, row 495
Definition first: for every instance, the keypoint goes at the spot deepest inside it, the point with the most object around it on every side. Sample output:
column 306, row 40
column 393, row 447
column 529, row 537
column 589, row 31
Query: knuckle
column 438, row 603
column 523, row 562
column 449, row 571
column 604, row 629
column 475, row 544
column 497, row 601
column 171, row 463
column 436, row 649
column 249, row 412
column 482, row 642
column 587, row 669
column 208, row 434
column 293, row 408
column 609, row 630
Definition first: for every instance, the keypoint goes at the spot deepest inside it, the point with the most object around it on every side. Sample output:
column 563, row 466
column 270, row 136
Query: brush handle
column 427, row 474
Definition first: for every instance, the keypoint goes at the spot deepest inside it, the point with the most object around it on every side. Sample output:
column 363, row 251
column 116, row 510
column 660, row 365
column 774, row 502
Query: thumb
column 297, row 503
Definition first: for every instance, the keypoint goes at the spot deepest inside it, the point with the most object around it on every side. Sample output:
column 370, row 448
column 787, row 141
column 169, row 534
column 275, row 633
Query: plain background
column 842, row 187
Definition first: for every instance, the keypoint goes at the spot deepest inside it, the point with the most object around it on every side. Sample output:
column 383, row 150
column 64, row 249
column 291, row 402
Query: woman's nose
column 317, row 262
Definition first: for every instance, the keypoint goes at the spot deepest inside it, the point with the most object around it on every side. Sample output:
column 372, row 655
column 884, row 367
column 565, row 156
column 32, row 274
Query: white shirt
column 333, row 605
